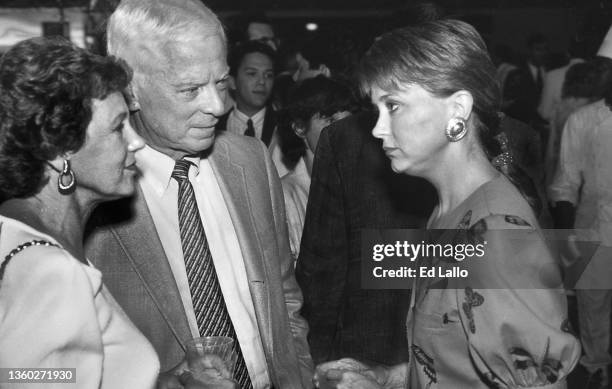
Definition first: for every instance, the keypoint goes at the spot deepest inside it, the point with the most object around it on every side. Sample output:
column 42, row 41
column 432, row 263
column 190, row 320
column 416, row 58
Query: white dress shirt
column 584, row 174
column 161, row 195
column 584, row 178
column 296, row 186
column 237, row 122
column 551, row 90
column 534, row 70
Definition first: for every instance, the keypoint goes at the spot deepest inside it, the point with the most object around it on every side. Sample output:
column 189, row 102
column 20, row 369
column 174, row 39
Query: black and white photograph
column 306, row 194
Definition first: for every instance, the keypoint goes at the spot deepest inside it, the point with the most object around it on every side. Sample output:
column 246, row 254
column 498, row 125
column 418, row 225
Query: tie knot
column 181, row 170
column 250, row 130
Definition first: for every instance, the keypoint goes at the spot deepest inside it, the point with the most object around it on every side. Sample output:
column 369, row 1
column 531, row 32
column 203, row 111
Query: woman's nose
column 380, row 128
column 133, row 140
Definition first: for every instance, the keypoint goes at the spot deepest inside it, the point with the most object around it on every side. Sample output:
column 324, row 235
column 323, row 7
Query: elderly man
column 202, row 249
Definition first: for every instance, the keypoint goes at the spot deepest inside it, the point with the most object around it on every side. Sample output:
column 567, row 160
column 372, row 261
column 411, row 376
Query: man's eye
column 190, row 91
column 222, row 84
column 119, row 128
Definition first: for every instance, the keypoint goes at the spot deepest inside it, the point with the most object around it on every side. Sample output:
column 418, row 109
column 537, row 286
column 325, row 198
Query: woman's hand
column 348, row 373
column 345, row 373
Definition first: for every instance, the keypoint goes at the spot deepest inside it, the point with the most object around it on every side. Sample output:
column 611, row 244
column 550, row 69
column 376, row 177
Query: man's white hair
column 138, row 28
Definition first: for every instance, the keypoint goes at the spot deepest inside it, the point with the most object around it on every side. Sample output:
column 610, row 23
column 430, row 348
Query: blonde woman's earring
column 66, row 182
column 456, row 129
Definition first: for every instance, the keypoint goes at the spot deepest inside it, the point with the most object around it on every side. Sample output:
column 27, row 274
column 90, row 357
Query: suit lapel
column 269, row 125
column 143, row 249
column 232, row 181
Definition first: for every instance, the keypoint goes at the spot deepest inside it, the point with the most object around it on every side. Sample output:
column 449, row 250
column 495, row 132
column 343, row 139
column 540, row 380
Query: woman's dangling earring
column 66, row 182
column 456, row 129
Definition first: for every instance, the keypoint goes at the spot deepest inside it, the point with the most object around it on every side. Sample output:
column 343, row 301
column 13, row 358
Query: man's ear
column 461, row 104
column 231, row 82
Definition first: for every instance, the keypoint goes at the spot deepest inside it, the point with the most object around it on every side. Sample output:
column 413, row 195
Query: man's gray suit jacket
column 123, row 243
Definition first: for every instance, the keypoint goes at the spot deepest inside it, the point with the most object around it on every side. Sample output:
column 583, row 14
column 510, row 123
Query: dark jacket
column 353, row 187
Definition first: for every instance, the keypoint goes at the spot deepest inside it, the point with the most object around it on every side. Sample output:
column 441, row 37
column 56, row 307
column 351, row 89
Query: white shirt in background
column 237, row 122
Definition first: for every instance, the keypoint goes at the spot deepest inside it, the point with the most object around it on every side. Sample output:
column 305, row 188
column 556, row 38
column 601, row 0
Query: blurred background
column 342, row 22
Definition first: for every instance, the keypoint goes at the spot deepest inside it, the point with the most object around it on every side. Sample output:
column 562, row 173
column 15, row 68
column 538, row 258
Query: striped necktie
column 208, row 302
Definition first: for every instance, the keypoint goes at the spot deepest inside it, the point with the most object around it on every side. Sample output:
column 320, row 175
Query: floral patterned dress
column 505, row 326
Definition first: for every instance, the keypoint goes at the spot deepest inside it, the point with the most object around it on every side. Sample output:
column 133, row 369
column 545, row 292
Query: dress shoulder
column 498, row 204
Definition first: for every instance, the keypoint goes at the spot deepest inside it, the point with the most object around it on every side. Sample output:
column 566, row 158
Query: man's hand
column 207, row 372
column 208, row 380
column 168, row 380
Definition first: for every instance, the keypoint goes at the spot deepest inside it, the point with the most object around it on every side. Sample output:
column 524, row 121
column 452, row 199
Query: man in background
column 252, row 71
column 352, row 188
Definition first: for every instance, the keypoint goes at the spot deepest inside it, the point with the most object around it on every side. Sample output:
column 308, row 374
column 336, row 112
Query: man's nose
column 213, row 101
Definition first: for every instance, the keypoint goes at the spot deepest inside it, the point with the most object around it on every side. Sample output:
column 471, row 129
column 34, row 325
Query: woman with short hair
column 505, row 325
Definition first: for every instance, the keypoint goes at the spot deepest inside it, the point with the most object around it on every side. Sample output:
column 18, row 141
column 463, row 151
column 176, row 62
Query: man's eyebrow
column 183, row 84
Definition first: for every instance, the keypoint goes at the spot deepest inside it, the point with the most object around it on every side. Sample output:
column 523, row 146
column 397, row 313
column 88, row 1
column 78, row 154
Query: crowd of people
column 186, row 185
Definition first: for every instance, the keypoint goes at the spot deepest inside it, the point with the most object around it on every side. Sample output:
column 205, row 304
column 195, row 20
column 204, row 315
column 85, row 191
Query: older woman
column 435, row 89
column 65, row 145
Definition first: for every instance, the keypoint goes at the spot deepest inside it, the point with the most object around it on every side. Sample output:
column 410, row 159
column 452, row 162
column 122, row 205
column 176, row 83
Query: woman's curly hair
column 46, row 90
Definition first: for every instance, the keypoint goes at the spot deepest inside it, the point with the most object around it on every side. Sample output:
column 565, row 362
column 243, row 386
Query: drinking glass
column 211, row 353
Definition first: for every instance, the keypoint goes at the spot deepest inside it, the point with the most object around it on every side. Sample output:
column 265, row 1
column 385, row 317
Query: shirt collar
column 535, row 69
column 156, row 168
column 257, row 118
column 574, row 61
